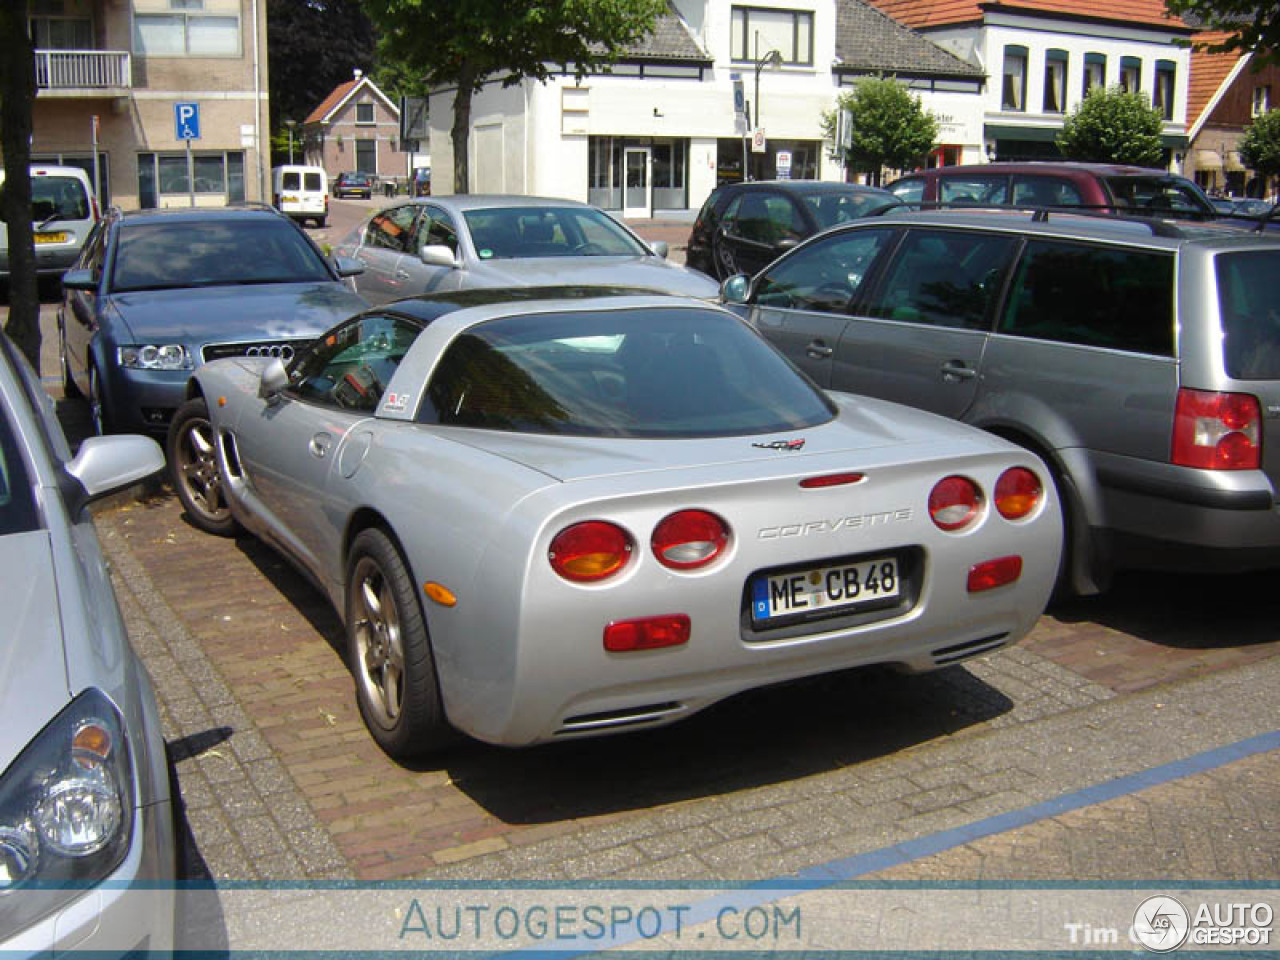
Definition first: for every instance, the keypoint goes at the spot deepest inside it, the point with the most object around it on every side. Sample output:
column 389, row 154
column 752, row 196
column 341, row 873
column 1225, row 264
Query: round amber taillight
column 1018, row 493
column 590, row 551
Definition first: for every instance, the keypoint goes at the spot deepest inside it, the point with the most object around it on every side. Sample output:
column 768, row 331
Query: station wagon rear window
column 1249, row 298
column 623, row 373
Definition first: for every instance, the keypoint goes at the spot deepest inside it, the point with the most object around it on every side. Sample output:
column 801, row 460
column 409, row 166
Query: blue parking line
column 847, row 869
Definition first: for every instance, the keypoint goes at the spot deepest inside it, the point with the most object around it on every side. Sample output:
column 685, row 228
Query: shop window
column 1014, row 95
column 1055, row 81
column 757, row 31
column 604, row 172
column 161, row 174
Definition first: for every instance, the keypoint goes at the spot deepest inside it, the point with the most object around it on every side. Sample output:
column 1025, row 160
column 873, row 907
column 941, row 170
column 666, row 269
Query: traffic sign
column 186, row 121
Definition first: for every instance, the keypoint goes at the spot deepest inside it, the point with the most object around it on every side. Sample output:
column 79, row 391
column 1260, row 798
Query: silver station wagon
column 1139, row 358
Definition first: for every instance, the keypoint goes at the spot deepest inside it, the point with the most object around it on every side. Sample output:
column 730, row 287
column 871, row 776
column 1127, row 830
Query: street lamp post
column 290, row 124
column 771, row 59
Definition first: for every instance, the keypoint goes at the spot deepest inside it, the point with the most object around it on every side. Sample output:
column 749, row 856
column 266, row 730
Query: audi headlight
column 164, row 356
column 66, row 811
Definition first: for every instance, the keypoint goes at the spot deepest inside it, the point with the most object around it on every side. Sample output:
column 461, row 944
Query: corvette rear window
column 627, row 373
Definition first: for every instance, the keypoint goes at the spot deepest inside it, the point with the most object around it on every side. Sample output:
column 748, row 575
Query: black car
column 743, row 227
column 353, row 185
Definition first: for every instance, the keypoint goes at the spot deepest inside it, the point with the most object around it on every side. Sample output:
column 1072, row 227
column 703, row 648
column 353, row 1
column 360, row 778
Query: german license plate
column 51, row 238
column 288, row 199
column 845, row 586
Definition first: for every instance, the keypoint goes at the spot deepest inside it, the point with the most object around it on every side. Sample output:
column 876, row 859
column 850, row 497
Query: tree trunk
column 17, row 93
column 462, row 130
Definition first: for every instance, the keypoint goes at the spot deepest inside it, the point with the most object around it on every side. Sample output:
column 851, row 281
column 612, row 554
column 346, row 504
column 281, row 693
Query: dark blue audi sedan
column 156, row 293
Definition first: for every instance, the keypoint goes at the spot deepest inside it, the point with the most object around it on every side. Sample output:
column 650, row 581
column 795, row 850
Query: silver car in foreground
column 87, row 848
column 553, row 513
column 438, row 244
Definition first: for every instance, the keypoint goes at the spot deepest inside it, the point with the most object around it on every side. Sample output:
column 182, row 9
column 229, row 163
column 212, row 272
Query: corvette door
column 292, row 452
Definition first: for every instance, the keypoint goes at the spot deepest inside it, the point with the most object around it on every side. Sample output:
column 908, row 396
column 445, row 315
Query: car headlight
column 164, row 356
column 66, row 811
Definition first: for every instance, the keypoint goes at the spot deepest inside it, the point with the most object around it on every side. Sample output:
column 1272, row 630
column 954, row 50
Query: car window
column 835, row 208
column 1045, row 192
column 1117, row 298
column 527, row 232
column 291, row 180
column 766, row 218
column 1250, row 313
column 979, row 190
column 58, row 198
column 435, row 228
column 351, row 367
column 1158, row 196
column 391, row 229
column 625, row 373
column 946, row 278
column 908, row 189
column 18, row 512
column 313, row 181
column 91, row 256
column 154, row 255
column 823, row 275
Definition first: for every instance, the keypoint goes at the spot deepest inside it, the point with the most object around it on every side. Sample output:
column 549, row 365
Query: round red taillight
column 689, row 539
column 589, row 551
column 954, row 503
column 1018, row 492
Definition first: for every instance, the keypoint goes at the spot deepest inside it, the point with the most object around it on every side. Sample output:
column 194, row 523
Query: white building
column 660, row 130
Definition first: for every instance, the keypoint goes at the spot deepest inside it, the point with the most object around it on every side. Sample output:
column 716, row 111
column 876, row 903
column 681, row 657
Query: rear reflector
column 994, row 573
column 1217, row 431
column 647, row 633
column 832, row 480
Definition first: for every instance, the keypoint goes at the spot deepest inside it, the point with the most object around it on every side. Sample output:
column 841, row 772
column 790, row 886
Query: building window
column 1095, row 72
column 604, row 172
column 168, row 174
column 62, row 33
column 670, row 161
column 185, row 35
column 364, row 113
column 1130, row 74
column 757, row 31
column 1162, row 98
column 1261, row 100
column 1014, row 95
column 366, row 156
column 1055, row 81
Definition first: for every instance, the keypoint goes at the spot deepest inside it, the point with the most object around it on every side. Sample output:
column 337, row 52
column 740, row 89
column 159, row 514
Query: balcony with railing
column 82, row 72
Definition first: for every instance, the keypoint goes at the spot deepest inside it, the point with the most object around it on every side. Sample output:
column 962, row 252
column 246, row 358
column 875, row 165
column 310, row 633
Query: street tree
column 312, row 46
column 1260, row 147
column 1249, row 27
column 17, row 94
column 1112, row 126
column 465, row 45
column 887, row 127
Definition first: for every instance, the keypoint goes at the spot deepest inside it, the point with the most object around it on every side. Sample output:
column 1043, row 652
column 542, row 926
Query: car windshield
column 656, row 372
column 212, row 253
column 830, row 209
column 1159, row 196
column 1250, row 313
column 501, row 233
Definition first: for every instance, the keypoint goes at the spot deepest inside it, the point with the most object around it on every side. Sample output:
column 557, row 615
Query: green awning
column 994, row 131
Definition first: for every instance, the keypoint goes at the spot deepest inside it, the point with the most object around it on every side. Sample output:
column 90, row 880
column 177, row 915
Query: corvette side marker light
column 441, row 595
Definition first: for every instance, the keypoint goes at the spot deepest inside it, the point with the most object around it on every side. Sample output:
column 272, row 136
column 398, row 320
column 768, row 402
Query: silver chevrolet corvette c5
column 553, row 513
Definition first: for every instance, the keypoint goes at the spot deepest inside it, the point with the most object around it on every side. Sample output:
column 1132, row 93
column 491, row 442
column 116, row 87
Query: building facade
column 168, row 96
column 356, row 128
column 1044, row 56
column 720, row 90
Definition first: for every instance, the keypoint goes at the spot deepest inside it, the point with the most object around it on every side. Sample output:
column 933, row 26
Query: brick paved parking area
column 281, row 781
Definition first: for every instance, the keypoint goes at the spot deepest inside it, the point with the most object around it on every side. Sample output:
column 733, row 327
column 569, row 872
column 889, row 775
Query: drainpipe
column 257, row 106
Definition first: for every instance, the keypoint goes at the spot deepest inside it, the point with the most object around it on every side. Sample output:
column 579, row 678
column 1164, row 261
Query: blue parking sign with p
column 186, row 120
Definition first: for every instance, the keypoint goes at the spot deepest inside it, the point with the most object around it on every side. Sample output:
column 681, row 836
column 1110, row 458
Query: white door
column 636, row 196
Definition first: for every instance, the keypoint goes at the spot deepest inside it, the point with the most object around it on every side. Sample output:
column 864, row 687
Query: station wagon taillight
column 590, row 551
column 1217, row 431
column 689, row 539
column 954, row 503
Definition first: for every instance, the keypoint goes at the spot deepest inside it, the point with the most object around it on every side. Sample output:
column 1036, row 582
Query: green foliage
column 888, row 127
column 1260, row 145
column 1111, row 126
column 1252, row 27
column 312, row 46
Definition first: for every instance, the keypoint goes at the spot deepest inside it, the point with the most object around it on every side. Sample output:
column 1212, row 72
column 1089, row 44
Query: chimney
column 358, row 72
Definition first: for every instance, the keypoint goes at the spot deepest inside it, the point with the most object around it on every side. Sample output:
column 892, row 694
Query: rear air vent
column 970, row 648
column 632, row 716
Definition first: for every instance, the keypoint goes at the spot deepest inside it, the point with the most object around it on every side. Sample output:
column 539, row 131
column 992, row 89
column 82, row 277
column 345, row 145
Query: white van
column 301, row 193
column 63, row 212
